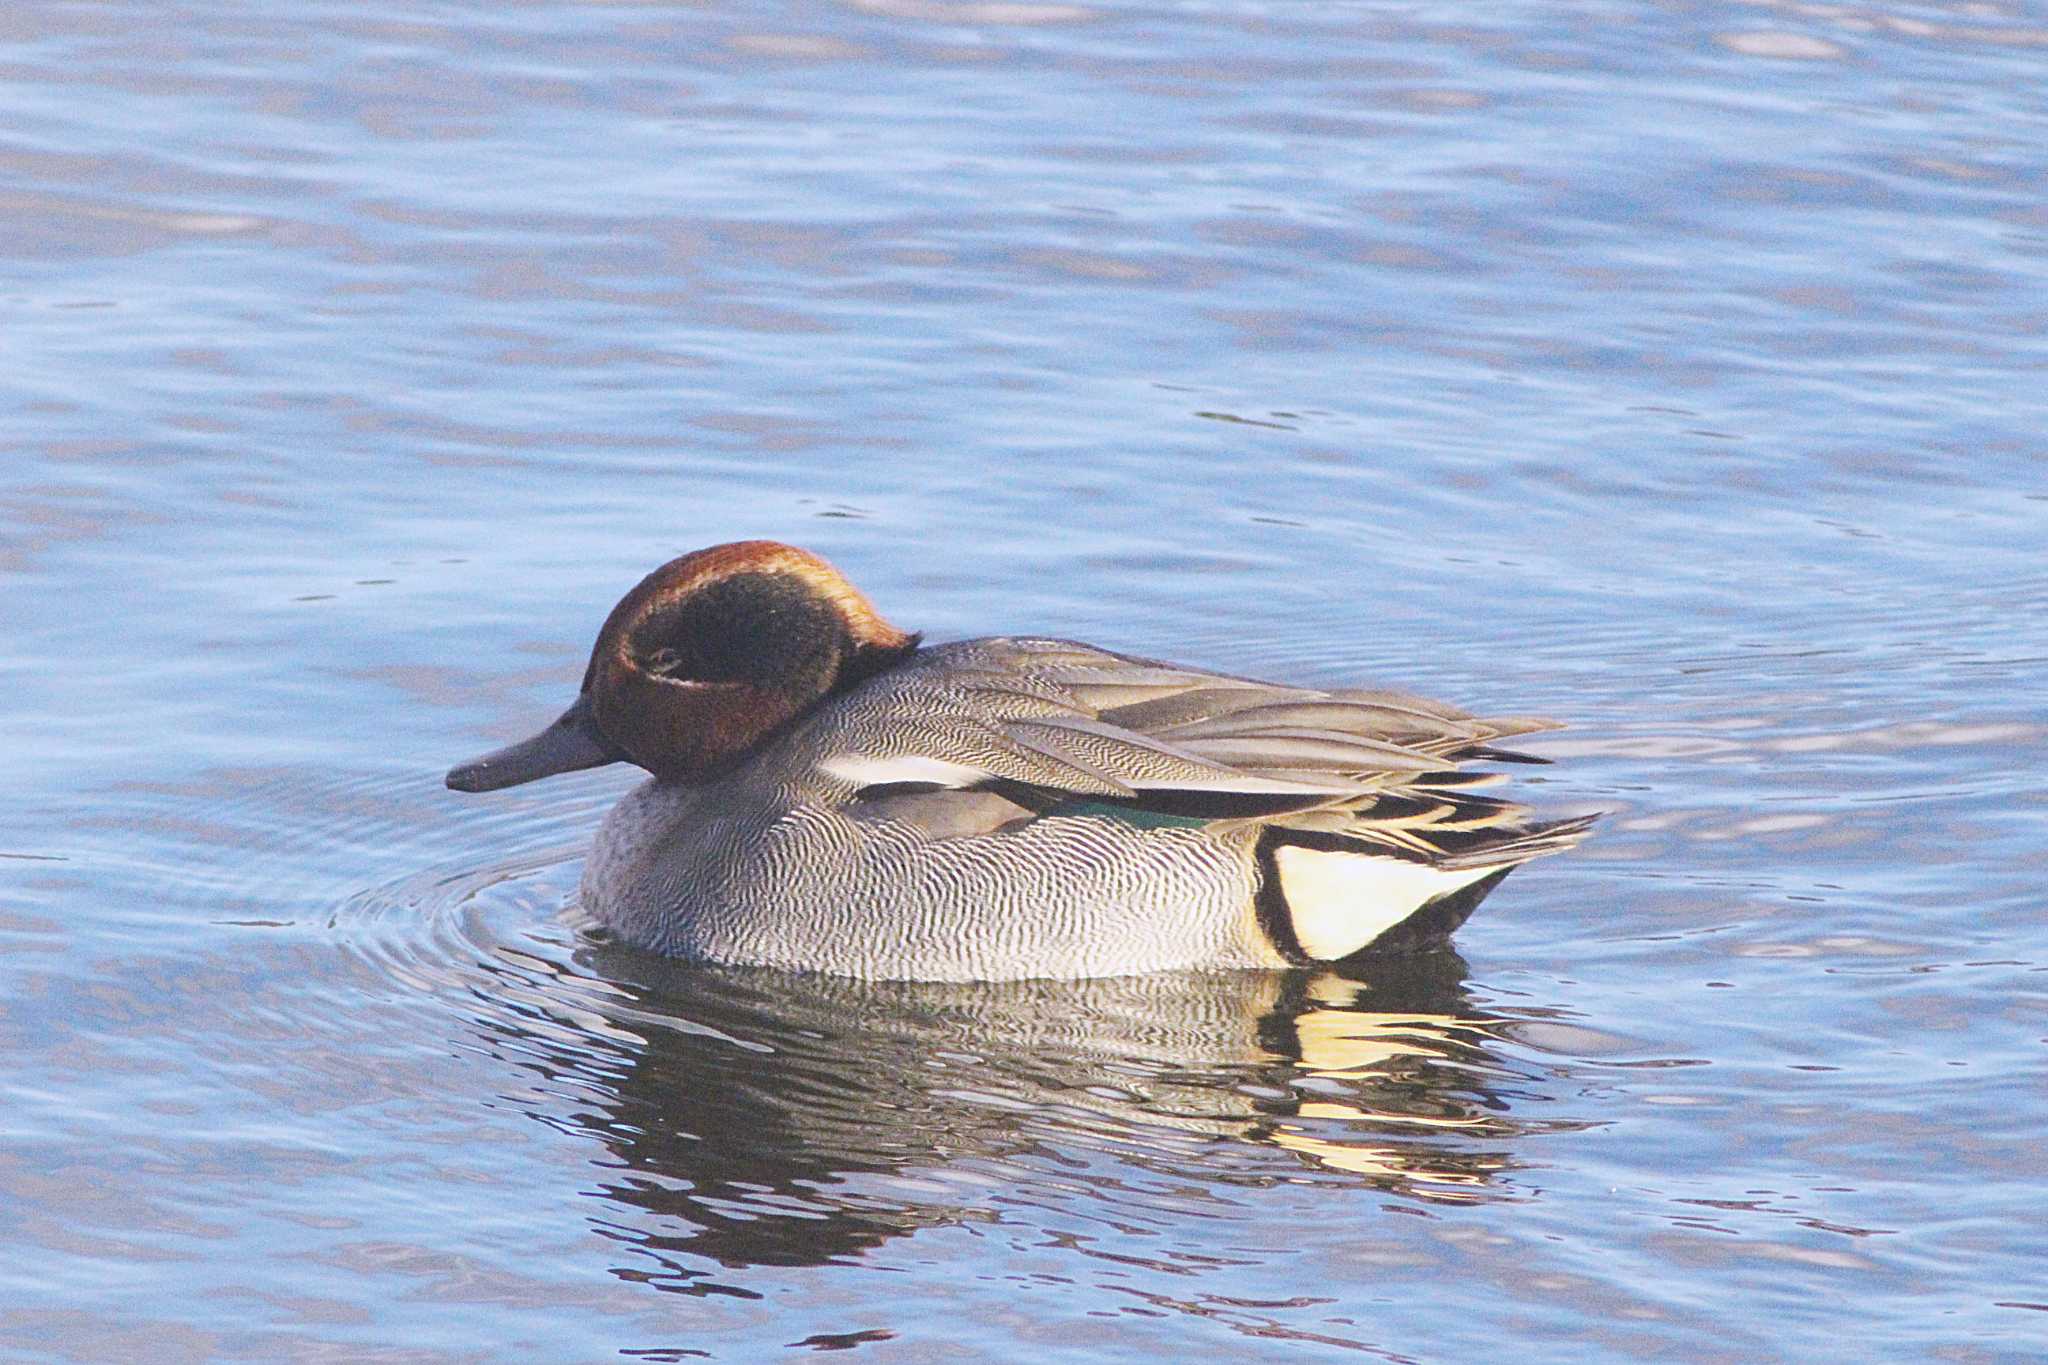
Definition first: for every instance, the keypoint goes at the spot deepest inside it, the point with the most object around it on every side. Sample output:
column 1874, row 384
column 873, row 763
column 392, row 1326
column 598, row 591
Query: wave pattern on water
column 1670, row 369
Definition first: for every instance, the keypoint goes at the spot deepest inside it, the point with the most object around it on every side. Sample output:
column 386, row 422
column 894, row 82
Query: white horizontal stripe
column 865, row 770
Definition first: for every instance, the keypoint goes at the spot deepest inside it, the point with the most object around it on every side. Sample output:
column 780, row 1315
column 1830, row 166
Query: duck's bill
column 571, row 743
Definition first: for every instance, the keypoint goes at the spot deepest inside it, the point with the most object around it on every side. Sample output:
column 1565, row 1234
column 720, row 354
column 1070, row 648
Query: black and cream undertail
column 1008, row 808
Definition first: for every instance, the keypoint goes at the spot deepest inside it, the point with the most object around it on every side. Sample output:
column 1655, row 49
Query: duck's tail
column 1379, row 880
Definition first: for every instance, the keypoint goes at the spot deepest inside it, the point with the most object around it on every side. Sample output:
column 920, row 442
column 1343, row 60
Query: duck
column 828, row 793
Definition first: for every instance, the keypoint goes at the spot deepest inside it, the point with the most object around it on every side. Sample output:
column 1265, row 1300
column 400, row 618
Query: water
column 1676, row 370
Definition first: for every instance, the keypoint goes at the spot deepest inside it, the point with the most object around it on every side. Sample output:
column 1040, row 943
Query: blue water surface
column 1677, row 370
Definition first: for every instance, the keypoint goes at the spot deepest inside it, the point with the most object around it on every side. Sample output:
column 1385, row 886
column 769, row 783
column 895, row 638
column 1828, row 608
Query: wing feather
column 1311, row 749
column 1368, row 766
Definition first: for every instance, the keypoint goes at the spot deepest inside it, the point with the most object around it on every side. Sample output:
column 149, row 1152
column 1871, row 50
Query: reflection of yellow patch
column 1333, row 1041
column 1408, row 1165
column 1353, row 1040
column 1339, row 1040
column 1327, row 1109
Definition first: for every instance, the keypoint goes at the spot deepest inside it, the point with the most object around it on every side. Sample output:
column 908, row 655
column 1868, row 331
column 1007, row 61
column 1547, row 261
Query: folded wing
column 1045, row 722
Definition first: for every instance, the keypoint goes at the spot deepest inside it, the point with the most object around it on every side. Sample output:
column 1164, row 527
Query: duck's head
column 711, row 653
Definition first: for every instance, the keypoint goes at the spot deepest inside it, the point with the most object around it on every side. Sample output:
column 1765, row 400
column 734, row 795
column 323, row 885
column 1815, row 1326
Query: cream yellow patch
column 1339, row 902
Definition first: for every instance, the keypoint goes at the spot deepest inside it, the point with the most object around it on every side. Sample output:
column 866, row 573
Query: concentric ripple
column 751, row 1117
column 738, row 1117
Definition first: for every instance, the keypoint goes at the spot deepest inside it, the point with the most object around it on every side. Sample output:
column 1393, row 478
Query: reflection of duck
column 772, row 1119
column 828, row 795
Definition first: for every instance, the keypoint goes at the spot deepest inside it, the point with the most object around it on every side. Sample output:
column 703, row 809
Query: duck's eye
column 663, row 662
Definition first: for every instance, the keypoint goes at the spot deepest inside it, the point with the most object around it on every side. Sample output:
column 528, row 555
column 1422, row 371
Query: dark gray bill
column 572, row 742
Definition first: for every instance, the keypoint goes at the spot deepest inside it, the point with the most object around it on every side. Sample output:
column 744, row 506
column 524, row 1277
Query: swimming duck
column 829, row 793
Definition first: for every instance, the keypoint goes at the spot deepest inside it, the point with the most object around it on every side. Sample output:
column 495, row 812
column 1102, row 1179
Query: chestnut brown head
column 709, row 655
